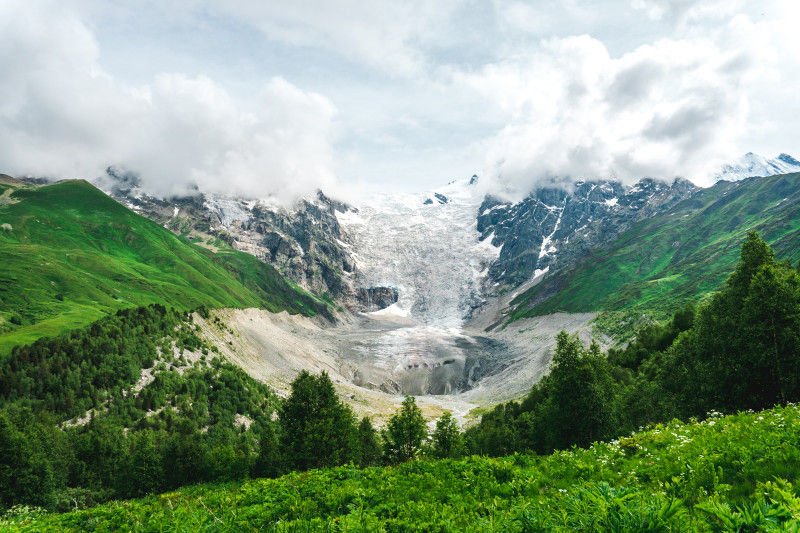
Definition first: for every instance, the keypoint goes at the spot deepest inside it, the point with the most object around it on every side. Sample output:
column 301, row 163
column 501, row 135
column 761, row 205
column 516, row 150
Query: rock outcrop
column 305, row 243
column 376, row 298
column 552, row 227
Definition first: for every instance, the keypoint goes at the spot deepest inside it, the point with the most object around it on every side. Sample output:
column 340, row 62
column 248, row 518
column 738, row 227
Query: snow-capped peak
column 751, row 164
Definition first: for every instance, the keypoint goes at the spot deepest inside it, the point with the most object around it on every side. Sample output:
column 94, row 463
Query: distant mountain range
column 754, row 165
column 552, row 229
column 305, row 243
column 558, row 237
column 661, row 262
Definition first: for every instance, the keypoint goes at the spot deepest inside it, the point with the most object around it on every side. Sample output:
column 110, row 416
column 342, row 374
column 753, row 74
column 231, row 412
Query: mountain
column 305, row 243
column 662, row 262
column 71, row 254
column 552, row 228
column 750, row 165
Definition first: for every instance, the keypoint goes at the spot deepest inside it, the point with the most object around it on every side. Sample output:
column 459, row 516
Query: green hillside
column 70, row 254
column 736, row 473
column 662, row 263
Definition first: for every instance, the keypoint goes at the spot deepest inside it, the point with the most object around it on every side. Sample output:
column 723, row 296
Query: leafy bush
column 664, row 485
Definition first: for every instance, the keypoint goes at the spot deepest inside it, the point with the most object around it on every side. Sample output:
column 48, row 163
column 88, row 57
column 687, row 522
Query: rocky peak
column 305, row 243
column 553, row 227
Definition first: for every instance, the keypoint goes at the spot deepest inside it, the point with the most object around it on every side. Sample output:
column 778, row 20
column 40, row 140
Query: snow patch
column 755, row 165
column 349, row 217
column 393, row 310
column 547, row 246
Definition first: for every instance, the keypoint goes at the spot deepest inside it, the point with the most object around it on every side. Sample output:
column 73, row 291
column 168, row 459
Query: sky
column 277, row 99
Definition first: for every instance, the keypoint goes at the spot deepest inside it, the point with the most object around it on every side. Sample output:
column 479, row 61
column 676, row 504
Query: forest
column 198, row 418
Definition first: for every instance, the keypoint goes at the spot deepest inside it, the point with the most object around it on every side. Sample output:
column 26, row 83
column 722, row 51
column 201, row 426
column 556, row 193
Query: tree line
column 207, row 420
column 737, row 350
column 75, row 431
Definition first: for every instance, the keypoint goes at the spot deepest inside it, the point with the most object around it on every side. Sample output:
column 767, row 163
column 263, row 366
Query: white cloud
column 194, row 92
column 61, row 115
column 383, row 34
column 663, row 110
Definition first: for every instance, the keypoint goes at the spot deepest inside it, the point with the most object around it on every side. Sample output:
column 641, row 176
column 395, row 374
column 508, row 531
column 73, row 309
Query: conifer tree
column 317, row 429
column 447, row 441
column 404, row 433
column 369, row 448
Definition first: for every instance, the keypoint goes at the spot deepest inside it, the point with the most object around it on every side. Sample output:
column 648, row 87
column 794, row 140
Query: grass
column 74, row 254
column 738, row 470
column 663, row 263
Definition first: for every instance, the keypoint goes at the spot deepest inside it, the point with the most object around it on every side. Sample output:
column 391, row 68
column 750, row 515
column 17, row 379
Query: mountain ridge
column 755, row 165
column 72, row 253
column 661, row 263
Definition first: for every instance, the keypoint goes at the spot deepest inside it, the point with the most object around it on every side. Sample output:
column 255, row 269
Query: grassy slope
column 666, row 474
column 74, row 254
column 663, row 263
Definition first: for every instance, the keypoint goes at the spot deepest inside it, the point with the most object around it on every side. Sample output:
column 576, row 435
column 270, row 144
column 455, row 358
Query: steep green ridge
column 734, row 473
column 70, row 254
column 662, row 263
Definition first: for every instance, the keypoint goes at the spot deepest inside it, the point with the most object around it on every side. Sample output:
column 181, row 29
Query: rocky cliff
column 305, row 243
column 552, row 228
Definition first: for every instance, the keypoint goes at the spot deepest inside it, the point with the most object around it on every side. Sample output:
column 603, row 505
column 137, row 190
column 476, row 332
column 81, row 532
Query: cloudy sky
column 277, row 98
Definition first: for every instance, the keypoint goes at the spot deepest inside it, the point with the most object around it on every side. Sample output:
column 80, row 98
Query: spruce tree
column 369, row 448
column 317, row 429
column 404, row 433
column 447, row 441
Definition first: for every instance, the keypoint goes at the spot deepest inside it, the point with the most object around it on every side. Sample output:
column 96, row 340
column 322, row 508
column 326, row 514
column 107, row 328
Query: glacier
column 431, row 253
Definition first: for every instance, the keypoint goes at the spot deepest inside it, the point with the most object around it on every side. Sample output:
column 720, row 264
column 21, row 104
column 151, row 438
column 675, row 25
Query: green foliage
column 317, row 428
column 446, row 439
column 725, row 474
column 183, row 426
column 404, row 433
column 74, row 372
column 369, row 447
column 744, row 349
column 76, row 255
column 662, row 263
column 577, row 409
column 740, row 349
column 573, row 405
column 30, row 456
column 268, row 462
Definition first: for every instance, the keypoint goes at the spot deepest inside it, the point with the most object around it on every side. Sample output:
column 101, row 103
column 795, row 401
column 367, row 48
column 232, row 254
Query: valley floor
column 376, row 358
column 734, row 473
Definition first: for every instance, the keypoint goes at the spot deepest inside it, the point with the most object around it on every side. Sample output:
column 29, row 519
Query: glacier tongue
column 430, row 252
column 428, row 248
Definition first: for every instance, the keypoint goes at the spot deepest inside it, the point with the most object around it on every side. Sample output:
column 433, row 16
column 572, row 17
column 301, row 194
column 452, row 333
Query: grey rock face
column 437, row 198
column 306, row 243
column 553, row 227
column 376, row 298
